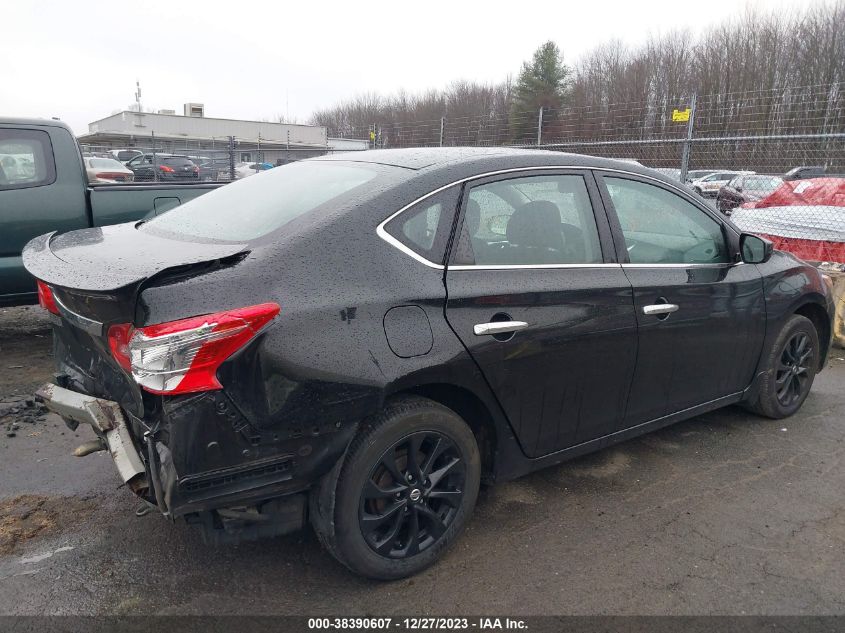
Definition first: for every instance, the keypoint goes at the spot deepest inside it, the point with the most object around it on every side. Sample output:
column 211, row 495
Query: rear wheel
column 791, row 367
column 404, row 491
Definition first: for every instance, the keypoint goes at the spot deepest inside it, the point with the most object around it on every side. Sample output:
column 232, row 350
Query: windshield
column 252, row 207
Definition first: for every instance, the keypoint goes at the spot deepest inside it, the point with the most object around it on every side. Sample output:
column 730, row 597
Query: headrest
column 536, row 224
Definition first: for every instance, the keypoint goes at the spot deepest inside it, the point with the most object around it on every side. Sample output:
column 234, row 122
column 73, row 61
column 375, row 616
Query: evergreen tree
column 542, row 82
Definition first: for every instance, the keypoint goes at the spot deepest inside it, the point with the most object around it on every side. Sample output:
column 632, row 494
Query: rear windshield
column 179, row 161
column 250, row 208
column 105, row 163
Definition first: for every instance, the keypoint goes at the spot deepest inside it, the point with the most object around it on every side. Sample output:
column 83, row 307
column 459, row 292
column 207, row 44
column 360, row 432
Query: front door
column 700, row 314
column 536, row 296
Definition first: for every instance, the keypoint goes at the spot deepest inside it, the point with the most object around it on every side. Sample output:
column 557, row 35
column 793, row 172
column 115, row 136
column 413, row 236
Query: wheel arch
column 472, row 410
column 821, row 321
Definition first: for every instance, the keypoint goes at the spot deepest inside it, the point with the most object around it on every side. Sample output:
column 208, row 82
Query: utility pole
column 688, row 144
column 231, row 158
column 540, row 126
column 442, row 125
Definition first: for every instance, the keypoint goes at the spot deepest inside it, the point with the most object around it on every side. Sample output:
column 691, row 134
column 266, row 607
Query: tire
column 365, row 510
column 698, row 191
column 782, row 388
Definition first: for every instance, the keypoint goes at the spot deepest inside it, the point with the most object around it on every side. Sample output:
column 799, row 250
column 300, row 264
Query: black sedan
column 164, row 167
column 745, row 188
column 359, row 342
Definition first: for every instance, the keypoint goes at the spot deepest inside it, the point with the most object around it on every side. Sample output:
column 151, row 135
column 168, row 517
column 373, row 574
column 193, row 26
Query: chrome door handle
column 660, row 308
column 498, row 327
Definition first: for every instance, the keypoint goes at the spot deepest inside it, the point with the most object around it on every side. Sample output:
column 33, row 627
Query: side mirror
column 755, row 249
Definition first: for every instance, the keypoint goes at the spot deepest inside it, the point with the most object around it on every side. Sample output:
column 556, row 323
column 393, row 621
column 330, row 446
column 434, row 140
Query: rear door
column 536, row 296
column 700, row 314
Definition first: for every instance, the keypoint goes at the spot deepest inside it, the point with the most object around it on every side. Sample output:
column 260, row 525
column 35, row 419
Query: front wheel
column 406, row 488
column 791, row 366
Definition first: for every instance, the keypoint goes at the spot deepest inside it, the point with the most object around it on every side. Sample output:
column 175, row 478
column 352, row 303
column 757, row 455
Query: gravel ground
column 727, row 513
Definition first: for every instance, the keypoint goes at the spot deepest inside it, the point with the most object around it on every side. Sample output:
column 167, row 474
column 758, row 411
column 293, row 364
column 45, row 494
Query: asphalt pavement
column 727, row 513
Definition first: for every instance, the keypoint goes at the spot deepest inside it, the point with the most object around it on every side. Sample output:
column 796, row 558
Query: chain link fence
column 773, row 160
column 151, row 159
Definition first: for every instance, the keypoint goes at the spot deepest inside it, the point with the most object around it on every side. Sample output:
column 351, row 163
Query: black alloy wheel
column 791, row 364
column 403, row 492
column 412, row 494
column 793, row 376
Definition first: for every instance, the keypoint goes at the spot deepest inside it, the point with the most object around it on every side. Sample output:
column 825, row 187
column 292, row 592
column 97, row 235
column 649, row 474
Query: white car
column 107, row 170
column 709, row 186
column 242, row 170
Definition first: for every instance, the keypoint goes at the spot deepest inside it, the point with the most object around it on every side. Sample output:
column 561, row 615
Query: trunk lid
column 112, row 258
column 96, row 275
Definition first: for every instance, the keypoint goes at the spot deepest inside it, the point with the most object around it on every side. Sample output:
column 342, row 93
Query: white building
column 192, row 132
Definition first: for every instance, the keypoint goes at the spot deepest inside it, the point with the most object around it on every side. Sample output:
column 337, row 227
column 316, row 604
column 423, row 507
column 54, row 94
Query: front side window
column 530, row 221
column 26, row 159
column 661, row 227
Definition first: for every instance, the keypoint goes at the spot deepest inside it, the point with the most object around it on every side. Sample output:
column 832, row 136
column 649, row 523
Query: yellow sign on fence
column 680, row 116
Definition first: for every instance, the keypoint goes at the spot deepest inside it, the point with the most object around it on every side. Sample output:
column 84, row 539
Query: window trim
column 49, row 157
column 596, row 173
column 730, row 236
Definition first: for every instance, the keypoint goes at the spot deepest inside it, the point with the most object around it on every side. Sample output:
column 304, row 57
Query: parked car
column 217, row 169
column 708, row 186
column 362, row 342
column 745, row 188
column 804, row 172
column 125, row 155
column 672, row 174
column 164, row 167
column 243, row 170
column 44, row 188
column 107, row 170
column 695, row 174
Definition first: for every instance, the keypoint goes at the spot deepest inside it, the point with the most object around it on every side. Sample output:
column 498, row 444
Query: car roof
column 464, row 161
column 34, row 121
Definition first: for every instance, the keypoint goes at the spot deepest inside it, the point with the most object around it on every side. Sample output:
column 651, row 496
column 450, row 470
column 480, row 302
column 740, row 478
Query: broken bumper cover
column 107, row 420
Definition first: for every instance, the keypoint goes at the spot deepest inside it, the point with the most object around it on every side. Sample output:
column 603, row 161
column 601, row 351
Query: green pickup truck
column 44, row 188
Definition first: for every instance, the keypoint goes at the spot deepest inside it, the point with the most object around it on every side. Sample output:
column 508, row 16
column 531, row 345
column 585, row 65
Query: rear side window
column 26, row 159
column 250, row 208
column 532, row 221
column 425, row 227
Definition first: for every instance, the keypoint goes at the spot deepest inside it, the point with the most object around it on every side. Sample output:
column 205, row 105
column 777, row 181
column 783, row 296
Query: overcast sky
column 78, row 60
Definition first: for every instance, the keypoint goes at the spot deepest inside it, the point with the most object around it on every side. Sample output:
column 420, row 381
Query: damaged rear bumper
column 107, row 420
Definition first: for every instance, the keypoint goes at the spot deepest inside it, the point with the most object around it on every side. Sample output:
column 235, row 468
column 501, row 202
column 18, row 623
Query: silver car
column 709, row 186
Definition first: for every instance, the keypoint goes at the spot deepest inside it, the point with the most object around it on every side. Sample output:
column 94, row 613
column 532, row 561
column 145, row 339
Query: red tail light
column 166, row 169
column 46, row 299
column 119, row 336
column 184, row 356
